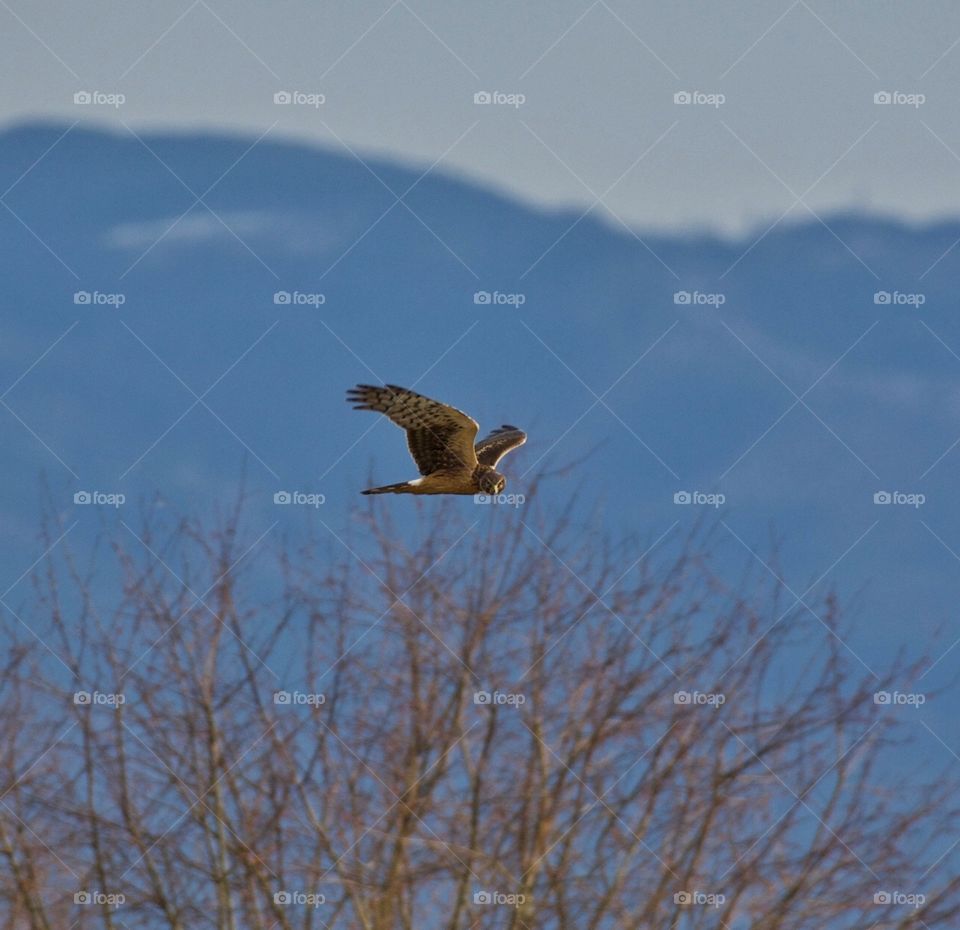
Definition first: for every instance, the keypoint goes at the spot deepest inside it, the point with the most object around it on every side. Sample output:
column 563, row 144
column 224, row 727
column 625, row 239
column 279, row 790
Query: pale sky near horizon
column 783, row 118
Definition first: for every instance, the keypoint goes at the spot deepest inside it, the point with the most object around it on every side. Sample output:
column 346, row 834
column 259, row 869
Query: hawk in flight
column 442, row 441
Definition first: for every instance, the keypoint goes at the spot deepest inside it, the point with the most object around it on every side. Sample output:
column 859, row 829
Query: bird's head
column 491, row 482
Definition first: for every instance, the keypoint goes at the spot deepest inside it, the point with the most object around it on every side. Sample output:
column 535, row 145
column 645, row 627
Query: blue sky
column 788, row 120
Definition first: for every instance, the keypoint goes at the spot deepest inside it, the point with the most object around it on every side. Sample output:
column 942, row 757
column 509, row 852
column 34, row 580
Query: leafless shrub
column 503, row 724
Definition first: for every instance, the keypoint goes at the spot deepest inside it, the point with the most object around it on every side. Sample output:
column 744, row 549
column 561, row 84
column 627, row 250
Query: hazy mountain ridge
column 398, row 300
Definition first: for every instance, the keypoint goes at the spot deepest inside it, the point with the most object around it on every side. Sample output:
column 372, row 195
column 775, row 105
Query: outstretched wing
column 439, row 437
column 498, row 444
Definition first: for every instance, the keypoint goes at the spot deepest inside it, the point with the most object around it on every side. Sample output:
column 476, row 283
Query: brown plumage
column 442, row 441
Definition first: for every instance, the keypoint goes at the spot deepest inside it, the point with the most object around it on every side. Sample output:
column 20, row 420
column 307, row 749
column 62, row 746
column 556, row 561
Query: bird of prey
column 441, row 440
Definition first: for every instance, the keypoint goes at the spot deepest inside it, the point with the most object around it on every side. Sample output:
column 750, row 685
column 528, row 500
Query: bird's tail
column 402, row 487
